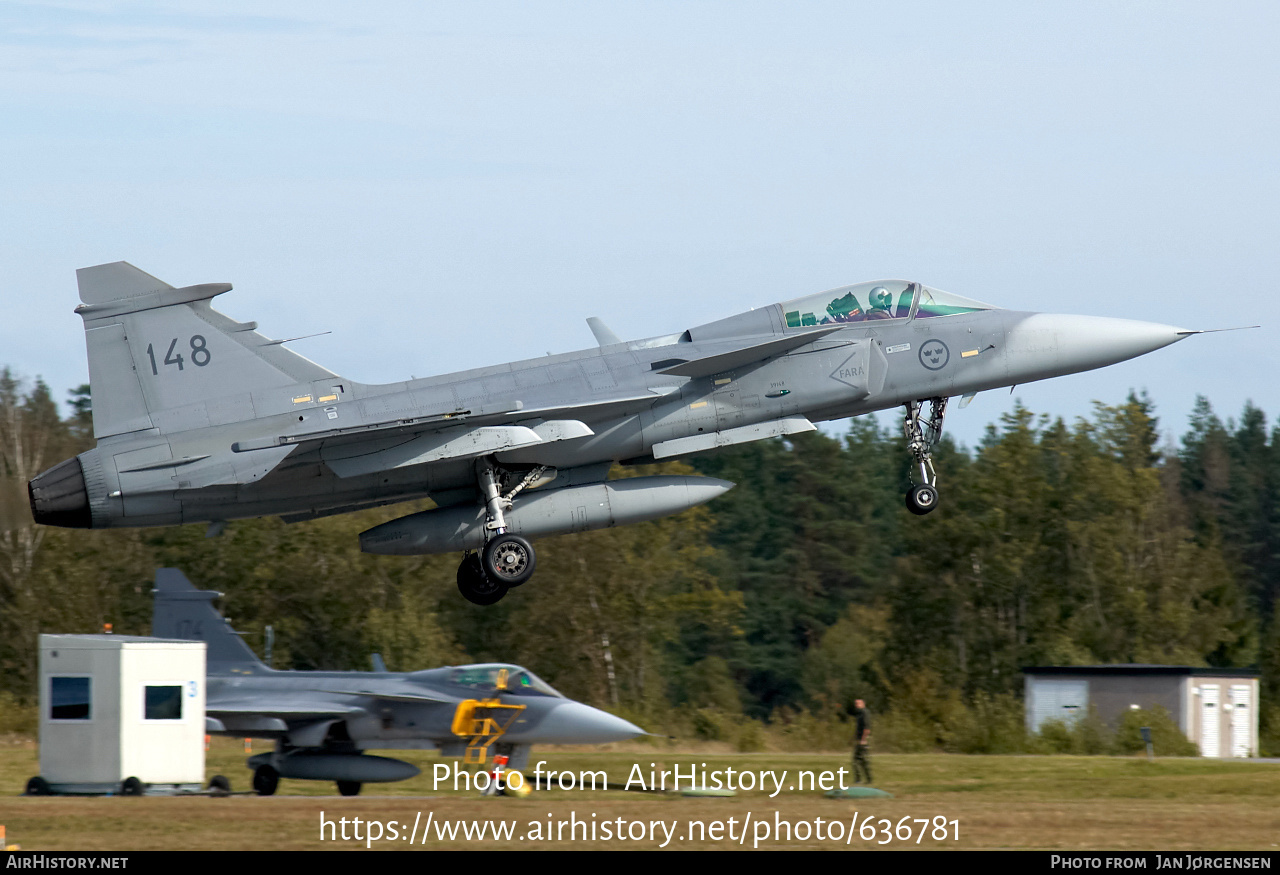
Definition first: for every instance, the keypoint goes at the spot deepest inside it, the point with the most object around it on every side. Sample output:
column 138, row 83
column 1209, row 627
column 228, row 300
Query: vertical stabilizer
column 186, row 613
column 161, row 357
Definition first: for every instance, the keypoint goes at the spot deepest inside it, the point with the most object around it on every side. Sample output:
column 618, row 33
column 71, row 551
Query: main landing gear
column 506, row 560
column 922, row 432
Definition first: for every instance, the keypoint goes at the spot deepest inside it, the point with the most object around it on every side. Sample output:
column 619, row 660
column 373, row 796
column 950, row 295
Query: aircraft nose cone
column 1042, row 345
column 576, row 723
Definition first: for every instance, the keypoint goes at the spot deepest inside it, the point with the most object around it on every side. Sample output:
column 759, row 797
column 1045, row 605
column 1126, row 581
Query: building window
column 69, row 699
column 164, row 703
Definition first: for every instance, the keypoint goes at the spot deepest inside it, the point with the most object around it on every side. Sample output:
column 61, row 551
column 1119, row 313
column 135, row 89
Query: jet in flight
column 200, row 418
column 322, row 722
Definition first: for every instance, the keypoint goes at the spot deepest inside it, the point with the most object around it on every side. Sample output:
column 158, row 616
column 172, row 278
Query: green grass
column 1055, row 802
column 1014, row 778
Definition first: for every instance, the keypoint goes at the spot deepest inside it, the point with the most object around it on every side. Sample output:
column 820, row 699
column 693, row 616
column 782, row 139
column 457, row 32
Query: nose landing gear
column 922, row 432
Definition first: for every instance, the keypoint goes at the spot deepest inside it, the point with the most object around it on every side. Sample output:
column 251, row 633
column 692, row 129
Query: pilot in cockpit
column 881, row 304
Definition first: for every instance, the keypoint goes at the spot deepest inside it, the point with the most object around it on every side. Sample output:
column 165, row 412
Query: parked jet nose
column 576, row 723
column 1043, row 345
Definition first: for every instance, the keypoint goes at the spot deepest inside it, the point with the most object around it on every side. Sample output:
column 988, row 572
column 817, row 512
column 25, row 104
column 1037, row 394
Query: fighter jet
column 200, row 418
column 322, row 722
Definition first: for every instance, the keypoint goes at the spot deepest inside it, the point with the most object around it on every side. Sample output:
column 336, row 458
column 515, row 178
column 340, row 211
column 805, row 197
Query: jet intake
column 539, row 513
column 59, row 497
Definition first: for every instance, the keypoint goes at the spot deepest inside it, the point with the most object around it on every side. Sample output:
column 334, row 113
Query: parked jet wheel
column 510, row 559
column 219, row 786
column 131, row 787
column 349, row 788
column 921, row 499
column 475, row 586
column 265, row 780
column 38, row 786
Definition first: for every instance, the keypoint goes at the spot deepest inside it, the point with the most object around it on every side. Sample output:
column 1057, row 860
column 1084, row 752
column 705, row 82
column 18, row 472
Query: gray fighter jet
column 200, row 418
column 322, row 722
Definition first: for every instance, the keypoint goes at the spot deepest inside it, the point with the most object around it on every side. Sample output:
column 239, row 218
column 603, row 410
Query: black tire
column 510, row 559
column 38, row 786
column 131, row 787
column 475, row 586
column 219, row 786
column 265, row 780
column 921, row 499
column 349, row 788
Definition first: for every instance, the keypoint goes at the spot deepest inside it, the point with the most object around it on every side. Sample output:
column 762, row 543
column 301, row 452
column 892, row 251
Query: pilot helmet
column 881, row 298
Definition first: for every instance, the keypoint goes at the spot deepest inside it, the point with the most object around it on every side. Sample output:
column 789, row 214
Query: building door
column 1241, row 721
column 1058, row 700
column 1210, row 745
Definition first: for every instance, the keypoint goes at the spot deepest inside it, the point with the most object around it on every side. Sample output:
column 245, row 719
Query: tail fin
column 163, row 358
column 186, row 613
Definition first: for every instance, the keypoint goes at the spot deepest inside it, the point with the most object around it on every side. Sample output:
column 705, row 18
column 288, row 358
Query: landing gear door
column 877, row 367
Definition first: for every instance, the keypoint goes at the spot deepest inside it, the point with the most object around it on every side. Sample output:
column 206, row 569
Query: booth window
column 69, row 699
column 164, row 703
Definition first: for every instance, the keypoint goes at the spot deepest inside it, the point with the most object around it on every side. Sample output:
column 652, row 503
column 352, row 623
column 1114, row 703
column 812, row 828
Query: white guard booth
column 120, row 714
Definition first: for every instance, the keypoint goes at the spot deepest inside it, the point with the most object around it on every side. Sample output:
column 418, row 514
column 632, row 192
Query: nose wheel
column 922, row 430
column 921, row 499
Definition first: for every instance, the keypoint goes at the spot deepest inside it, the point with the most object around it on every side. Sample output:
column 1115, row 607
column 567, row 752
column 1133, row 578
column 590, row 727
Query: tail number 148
column 200, row 354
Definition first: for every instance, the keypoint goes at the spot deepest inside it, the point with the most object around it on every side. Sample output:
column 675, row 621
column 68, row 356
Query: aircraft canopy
column 867, row 302
column 520, row 681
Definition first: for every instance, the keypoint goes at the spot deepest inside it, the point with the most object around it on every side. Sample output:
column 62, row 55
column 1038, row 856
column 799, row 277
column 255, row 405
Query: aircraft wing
column 481, row 429
column 297, row 710
column 412, row 696
column 367, row 448
column 740, row 356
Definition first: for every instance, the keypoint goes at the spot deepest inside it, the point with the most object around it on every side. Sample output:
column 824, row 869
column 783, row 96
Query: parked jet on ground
column 200, row 418
column 322, row 722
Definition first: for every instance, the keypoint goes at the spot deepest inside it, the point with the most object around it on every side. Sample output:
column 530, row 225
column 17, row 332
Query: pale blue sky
column 449, row 185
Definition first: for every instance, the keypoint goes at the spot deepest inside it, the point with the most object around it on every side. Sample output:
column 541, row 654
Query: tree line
column 768, row 611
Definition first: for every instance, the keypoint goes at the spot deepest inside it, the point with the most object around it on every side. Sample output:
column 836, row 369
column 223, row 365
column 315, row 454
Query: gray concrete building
column 1217, row 708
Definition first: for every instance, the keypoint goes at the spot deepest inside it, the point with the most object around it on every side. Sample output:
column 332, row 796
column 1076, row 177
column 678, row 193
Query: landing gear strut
column 506, row 560
column 922, row 432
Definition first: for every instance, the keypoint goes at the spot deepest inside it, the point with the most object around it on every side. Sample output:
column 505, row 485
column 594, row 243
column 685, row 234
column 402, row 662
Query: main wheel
column 349, row 788
column 131, row 787
column 219, row 786
column 921, row 499
column 475, row 586
column 265, row 780
column 38, row 786
column 510, row 559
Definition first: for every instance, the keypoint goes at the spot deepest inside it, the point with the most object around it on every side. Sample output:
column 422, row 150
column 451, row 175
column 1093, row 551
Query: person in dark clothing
column 861, row 742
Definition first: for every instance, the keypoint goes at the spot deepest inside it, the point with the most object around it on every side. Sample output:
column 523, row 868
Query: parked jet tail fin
column 163, row 358
column 186, row 613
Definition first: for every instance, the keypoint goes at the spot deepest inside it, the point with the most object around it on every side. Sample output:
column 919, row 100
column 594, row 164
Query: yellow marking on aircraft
column 697, row 405
column 325, row 398
column 301, row 399
column 969, row 352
